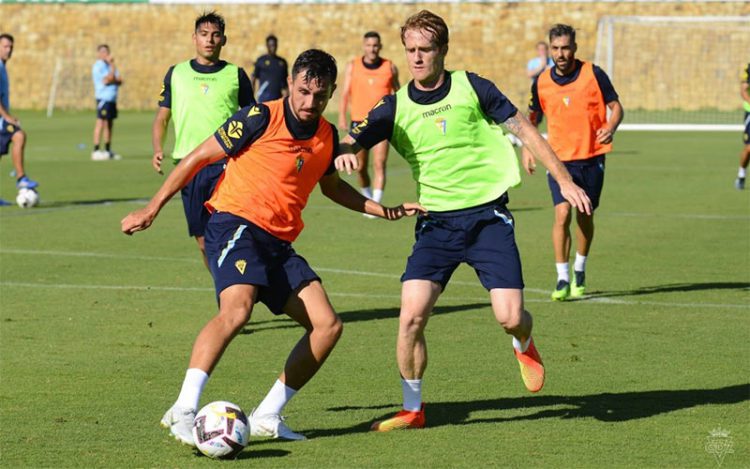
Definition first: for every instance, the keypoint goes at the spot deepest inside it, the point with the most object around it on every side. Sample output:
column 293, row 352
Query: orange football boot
column 401, row 421
column 532, row 368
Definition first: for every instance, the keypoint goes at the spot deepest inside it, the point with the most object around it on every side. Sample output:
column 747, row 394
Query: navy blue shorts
column 240, row 252
column 353, row 125
column 746, row 135
column 587, row 174
column 6, row 135
column 482, row 236
column 196, row 193
column 106, row 110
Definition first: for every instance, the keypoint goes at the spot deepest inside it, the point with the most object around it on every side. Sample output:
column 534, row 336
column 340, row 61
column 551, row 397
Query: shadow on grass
column 674, row 287
column 605, row 407
column 356, row 316
column 69, row 203
column 259, row 454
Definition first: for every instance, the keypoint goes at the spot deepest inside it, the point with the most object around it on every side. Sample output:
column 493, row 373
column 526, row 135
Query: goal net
column 676, row 73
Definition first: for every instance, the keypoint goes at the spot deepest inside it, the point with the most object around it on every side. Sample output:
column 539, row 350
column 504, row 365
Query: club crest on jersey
column 254, row 111
column 235, row 129
column 566, row 101
column 204, row 88
column 442, row 125
column 300, row 162
column 241, row 264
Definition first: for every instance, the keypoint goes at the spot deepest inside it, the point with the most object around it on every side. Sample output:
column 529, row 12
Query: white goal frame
column 605, row 58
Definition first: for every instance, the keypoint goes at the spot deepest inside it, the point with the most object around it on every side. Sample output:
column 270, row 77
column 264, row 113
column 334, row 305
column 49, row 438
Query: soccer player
column 278, row 152
column 367, row 79
column 444, row 123
column 107, row 81
column 739, row 183
column 200, row 94
column 540, row 63
column 10, row 127
column 270, row 73
column 575, row 96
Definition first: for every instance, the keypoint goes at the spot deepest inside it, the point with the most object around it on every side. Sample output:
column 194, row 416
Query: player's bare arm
column 345, row 195
column 158, row 135
column 7, row 117
column 344, row 101
column 347, row 159
column 538, row 148
column 206, row 153
column 395, row 83
column 606, row 133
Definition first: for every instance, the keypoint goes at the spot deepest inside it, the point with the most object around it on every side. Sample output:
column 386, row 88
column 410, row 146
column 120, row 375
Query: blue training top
column 103, row 92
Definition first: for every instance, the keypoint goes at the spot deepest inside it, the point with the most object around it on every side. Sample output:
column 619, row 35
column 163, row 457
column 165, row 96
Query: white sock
column 741, row 172
column 562, row 271
column 274, row 402
column 377, row 195
column 412, row 389
column 580, row 264
column 519, row 346
column 192, row 387
column 367, row 192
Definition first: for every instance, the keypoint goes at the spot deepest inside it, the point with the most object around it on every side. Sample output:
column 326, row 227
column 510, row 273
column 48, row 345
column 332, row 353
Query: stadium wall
column 493, row 39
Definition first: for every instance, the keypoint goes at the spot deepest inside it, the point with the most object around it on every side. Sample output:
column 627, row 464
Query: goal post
column 676, row 72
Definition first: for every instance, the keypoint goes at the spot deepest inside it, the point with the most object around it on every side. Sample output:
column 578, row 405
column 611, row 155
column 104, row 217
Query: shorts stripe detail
column 230, row 244
column 504, row 218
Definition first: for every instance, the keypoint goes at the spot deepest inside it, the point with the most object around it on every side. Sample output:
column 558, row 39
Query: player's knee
column 379, row 166
column 19, row 137
column 412, row 324
column 562, row 214
column 509, row 315
column 334, row 329
column 235, row 315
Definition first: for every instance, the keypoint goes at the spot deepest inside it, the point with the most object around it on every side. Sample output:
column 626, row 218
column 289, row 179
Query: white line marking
column 601, row 300
column 690, row 216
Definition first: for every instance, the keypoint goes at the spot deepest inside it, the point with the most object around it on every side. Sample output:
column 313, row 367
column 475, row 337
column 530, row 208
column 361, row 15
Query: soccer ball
column 221, row 430
column 27, row 198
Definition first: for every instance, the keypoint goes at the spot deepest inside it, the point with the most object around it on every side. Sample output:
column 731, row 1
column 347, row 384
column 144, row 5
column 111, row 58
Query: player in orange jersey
column 575, row 96
column 277, row 153
column 366, row 80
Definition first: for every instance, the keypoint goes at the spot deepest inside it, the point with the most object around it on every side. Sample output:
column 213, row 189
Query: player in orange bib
column 277, row 153
column 366, row 80
column 575, row 97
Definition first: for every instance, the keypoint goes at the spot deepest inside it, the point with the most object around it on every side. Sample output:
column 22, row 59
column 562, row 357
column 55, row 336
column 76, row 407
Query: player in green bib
column 446, row 126
column 198, row 96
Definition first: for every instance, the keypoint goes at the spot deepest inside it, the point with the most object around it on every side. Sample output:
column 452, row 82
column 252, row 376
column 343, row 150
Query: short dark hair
column 560, row 30
column 430, row 22
column 7, row 36
column 210, row 17
column 371, row 34
column 273, row 38
column 102, row 46
column 317, row 65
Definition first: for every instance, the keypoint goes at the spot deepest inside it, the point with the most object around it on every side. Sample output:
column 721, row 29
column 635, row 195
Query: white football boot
column 179, row 421
column 273, row 426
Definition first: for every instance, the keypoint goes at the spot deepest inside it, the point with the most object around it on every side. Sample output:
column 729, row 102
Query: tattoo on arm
column 513, row 124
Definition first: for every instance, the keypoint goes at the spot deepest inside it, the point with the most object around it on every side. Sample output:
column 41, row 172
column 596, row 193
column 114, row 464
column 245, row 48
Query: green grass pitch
column 96, row 327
